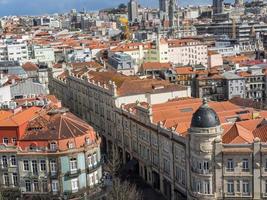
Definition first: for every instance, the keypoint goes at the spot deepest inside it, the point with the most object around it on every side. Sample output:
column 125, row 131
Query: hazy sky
column 35, row 7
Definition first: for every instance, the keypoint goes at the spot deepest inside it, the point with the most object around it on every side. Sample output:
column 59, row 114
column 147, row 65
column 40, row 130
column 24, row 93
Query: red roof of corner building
column 59, row 127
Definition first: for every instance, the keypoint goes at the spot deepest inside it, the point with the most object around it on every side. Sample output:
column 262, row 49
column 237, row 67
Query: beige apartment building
column 182, row 147
column 177, row 51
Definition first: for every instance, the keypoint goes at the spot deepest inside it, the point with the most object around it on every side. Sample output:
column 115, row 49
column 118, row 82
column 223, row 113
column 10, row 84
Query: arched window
column 53, row 146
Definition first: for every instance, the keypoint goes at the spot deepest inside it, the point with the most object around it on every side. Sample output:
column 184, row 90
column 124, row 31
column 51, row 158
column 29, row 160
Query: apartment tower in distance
column 132, row 10
column 218, row 6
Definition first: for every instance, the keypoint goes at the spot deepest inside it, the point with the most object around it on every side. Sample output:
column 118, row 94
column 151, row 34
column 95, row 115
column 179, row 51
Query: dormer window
column 53, row 146
column 33, row 146
column 87, row 141
column 5, row 141
column 70, row 145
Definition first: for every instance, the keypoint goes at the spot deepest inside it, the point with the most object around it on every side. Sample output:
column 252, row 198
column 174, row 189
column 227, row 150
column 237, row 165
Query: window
column 198, row 187
column 5, row 141
column 87, row 141
column 199, row 165
column 54, row 185
column 206, row 165
column 14, row 140
column 13, row 160
column 44, row 186
column 89, row 161
column 71, row 145
column 53, row 166
column 15, row 179
column 74, row 185
column 166, row 166
column 245, row 165
column 53, row 146
column 206, row 187
column 94, row 159
column 245, row 187
column 43, row 165
column 35, row 186
column 230, row 165
column 26, row 165
column 34, row 167
column 6, row 179
column 73, row 164
column 28, row 185
column 155, row 158
column 4, row 162
column 230, row 187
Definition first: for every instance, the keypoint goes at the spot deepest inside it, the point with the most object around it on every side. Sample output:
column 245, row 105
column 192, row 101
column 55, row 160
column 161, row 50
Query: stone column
column 256, row 169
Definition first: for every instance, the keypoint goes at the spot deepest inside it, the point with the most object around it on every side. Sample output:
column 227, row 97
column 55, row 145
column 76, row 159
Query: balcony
column 53, row 174
column 73, row 173
column 94, row 167
column 31, row 175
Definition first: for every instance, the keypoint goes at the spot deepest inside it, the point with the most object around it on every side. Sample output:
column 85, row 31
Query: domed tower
column 205, row 129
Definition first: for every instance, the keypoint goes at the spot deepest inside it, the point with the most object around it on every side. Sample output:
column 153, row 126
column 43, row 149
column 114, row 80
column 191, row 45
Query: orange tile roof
column 178, row 114
column 185, row 70
column 156, row 65
column 131, row 85
column 4, row 114
column 236, row 59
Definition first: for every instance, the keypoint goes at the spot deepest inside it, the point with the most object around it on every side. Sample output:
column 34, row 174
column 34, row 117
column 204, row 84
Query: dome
column 205, row 117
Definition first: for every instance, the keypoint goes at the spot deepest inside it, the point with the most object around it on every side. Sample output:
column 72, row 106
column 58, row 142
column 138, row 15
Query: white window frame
column 53, row 166
column 246, row 189
column 30, row 184
column 54, row 185
column 95, row 159
column 42, row 164
column 90, row 161
column 5, row 140
column 230, row 165
column 53, row 146
column 245, row 165
column 13, row 160
column 206, row 187
column 74, row 185
column 231, row 186
column 73, row 162
column 28, row 164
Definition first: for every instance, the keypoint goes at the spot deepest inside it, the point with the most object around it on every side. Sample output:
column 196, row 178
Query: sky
column 38, row 7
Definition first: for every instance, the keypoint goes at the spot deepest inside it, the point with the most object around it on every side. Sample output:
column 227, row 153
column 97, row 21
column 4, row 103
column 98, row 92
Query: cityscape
column 137, row 100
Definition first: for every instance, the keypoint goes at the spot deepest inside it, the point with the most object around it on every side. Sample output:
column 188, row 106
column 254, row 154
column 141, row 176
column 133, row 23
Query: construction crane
column 125, row 27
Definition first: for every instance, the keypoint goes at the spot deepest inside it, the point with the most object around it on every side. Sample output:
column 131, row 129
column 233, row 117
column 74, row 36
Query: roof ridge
column 80, row 122
column 63, row 118
column 73, row 124
column 59, row 129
